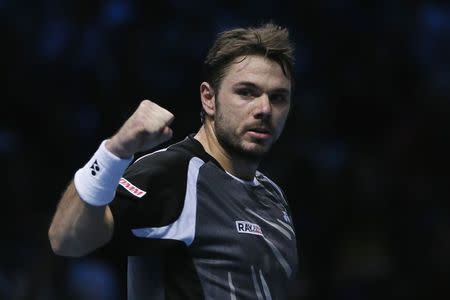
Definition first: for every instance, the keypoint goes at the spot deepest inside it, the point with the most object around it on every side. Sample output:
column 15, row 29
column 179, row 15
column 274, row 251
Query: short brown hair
column 269, row 40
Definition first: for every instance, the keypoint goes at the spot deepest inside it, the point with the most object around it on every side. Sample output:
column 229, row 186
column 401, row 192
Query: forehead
column 259, row 70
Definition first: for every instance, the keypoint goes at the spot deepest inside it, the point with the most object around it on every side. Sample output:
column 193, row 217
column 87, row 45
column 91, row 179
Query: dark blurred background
column 363, row 159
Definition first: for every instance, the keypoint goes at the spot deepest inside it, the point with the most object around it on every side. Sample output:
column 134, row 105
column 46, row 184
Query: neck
column 233, row 164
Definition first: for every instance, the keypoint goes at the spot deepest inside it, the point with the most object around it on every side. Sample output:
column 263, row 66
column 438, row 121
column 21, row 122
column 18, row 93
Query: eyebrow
column 252, row 85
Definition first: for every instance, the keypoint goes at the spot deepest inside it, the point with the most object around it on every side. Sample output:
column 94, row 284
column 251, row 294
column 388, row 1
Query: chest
column 241, row 226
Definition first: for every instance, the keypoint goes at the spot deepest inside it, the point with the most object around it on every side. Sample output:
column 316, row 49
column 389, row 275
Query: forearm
column 79, row 228
column 83, row 221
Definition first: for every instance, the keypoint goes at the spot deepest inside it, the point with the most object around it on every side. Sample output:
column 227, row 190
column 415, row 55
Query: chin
column 243, row 147
column 255, row 150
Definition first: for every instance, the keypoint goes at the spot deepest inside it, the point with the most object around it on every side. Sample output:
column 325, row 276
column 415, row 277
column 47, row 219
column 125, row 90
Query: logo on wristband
column 94, row 168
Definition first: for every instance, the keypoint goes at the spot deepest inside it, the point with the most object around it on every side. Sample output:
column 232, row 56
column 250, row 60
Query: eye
column 279, row 98
column 246, row 92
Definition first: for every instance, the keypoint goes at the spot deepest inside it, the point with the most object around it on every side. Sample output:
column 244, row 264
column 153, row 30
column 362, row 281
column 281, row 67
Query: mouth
column 260, row 132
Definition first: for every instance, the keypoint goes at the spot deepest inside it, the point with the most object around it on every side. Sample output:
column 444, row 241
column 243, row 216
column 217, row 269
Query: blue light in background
column 436, row 18
column 117, row 13
column 91, row 279
column 54, row 38
column 8, row 141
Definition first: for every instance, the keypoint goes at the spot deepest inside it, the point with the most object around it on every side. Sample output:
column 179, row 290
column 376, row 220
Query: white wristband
column 97, row 181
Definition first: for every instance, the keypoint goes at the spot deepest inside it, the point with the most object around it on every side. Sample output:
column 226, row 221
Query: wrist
column 97, row 181
column 116, row 149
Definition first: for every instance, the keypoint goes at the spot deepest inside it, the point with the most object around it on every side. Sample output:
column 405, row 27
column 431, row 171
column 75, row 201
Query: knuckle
column 146, row 103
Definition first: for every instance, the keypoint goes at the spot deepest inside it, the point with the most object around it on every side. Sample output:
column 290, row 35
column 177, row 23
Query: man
column 196, row 220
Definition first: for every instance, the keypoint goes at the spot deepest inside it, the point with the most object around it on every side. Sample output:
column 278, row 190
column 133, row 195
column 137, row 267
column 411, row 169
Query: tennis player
column 197, row 220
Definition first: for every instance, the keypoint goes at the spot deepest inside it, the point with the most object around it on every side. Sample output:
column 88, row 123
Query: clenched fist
column 147, row 127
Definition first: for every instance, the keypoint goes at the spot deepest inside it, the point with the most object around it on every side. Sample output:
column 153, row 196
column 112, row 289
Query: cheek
column 280, row 119
column 281, row 115
column 234, row 115
column 227, row 119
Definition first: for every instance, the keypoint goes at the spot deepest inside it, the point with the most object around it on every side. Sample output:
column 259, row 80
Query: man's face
column 252, row 105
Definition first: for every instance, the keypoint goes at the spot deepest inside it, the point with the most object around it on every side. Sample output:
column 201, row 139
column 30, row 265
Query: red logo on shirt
column 132, row 188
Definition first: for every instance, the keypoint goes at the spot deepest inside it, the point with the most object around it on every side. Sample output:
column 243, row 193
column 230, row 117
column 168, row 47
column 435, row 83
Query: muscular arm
column 79, row 228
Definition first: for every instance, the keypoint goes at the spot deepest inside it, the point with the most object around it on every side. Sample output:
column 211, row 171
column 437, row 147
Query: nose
column 264, row 107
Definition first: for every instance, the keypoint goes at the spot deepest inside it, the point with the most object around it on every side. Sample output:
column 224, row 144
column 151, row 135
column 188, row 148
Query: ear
column 208, row 98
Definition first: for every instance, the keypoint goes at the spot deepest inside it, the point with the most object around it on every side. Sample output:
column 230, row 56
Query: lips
column 261, row 128
column 260, row 132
